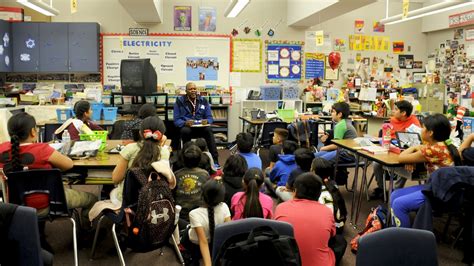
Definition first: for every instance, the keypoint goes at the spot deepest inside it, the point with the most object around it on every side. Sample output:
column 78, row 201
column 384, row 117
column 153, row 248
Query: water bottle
column 66, row 137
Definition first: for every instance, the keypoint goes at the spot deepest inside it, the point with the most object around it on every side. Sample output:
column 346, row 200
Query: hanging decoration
column 258, row 32
column 271, row 31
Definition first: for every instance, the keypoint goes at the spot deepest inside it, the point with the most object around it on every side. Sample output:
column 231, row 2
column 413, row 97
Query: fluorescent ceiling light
column 40, row 6
column 235, row 7
column 426, row 11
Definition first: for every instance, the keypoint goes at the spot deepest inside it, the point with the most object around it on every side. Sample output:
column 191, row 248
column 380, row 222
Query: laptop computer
column 408, row 139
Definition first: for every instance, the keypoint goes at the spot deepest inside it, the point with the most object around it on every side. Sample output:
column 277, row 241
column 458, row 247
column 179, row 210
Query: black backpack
column 263, row 246
column 154, row 219
column 339, row 204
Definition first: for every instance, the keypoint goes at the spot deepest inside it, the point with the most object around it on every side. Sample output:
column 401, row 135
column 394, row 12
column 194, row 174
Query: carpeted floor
column 60, row 237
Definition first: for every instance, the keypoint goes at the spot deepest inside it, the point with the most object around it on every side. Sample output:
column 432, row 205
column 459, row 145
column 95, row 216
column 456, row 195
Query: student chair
column 450, row 190
column 398, row 246
column 264, row 138
column 23, row 236
column 225, row 231
column 131, row 191
column 117, row 129
column 41, row 189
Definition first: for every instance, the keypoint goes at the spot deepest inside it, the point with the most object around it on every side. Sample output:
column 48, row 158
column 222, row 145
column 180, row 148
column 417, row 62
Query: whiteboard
column 169, row 55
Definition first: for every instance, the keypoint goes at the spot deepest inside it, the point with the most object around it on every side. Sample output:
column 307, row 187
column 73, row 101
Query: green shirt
column 344, row 130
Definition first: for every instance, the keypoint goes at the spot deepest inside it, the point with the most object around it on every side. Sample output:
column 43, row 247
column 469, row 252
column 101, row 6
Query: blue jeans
column 404, row 201
column 327, row 155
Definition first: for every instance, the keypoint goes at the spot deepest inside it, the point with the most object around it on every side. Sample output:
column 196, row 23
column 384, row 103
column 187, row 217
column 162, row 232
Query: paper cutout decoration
column 379, row 27
column 1, row 50
column 247, row 30
column 7, row 60
column 30, row 43
column 334, row 60
column 235, row 31
column 25, row 57
column 398, row 47
column 359, row 26
column 258, row 32
column 6, row 40
column 271, row 31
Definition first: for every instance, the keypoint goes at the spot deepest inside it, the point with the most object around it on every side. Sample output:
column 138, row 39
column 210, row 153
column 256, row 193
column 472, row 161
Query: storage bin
column 215, row 99
column 127, row 99
column 96, row 135
column 64, row 114
column 118, row 100
column 172, row 99
column 161, row 99
column 287, row 115
column 29, row 98
column 110, row 113
column 96, row 111
column 226, row 99
column 290, row 93
column 107, row 99
column 270, row 92
column 150, row 99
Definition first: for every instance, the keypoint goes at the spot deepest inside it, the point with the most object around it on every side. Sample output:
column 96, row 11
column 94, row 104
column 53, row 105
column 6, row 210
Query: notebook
column 408, row 139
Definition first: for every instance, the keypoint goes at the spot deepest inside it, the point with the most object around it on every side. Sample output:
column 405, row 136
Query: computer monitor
column 137, row 76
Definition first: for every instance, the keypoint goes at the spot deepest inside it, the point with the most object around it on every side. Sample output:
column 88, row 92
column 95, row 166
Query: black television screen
column 137, row 76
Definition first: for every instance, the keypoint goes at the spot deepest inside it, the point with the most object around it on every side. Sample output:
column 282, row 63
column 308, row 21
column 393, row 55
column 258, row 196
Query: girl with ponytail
column 23, row 151
column 251, row 202
column 82, row 123
column 198, row 239
column 437, row 151
column 140, row 154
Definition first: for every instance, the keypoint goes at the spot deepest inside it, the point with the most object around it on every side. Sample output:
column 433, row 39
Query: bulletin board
column 284, row 60
column 177, row 58
column 246, row 55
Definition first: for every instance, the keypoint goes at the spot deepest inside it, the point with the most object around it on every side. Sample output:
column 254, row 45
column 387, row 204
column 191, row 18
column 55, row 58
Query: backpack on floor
column 377, row 220
column 154, row 219
column 263, row 246
column 332, row 197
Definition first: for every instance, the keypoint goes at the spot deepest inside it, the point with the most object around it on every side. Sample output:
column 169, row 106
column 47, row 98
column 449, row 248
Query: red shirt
column 401, row 126
column 436, row 156
column 34, row 155
column 313, row 224
column 74, row 133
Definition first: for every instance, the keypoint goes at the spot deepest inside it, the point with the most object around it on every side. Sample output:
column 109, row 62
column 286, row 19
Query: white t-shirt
column 199, row 218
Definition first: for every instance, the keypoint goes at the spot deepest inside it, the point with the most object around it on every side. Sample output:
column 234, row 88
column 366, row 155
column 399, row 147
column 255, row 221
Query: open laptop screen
column 408, row 139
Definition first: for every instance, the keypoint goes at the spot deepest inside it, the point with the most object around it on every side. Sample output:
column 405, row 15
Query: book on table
column 375, row 149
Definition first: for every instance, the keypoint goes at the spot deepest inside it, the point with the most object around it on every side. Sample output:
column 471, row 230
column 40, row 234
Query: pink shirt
column 237, row 205
column 313, row 224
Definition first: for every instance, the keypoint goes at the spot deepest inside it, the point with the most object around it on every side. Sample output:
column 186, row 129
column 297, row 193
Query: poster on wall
column 339, row 45
column 182, row 18
column 359, row 26
column 246, row 55
column 398, row 47
column 469, row 33
column 207, row 19
column 284, row 60
column 169, row 56
column 369, row 43
column 405, row 61
column 201, row 68
column 314, row 65
column 379, row 27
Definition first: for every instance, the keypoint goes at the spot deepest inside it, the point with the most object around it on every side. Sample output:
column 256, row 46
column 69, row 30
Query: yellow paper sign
column 73, row 6
column 369, row 43
column 319, row 38
column 406, row 6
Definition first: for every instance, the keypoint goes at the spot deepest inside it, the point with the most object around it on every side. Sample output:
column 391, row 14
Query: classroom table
column 106, row 161
column 389, row 161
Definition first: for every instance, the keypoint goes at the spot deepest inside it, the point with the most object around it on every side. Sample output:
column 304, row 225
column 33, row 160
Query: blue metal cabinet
column 5, row 47
column 25, row 46
column 83, row 47
column 54, row 56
